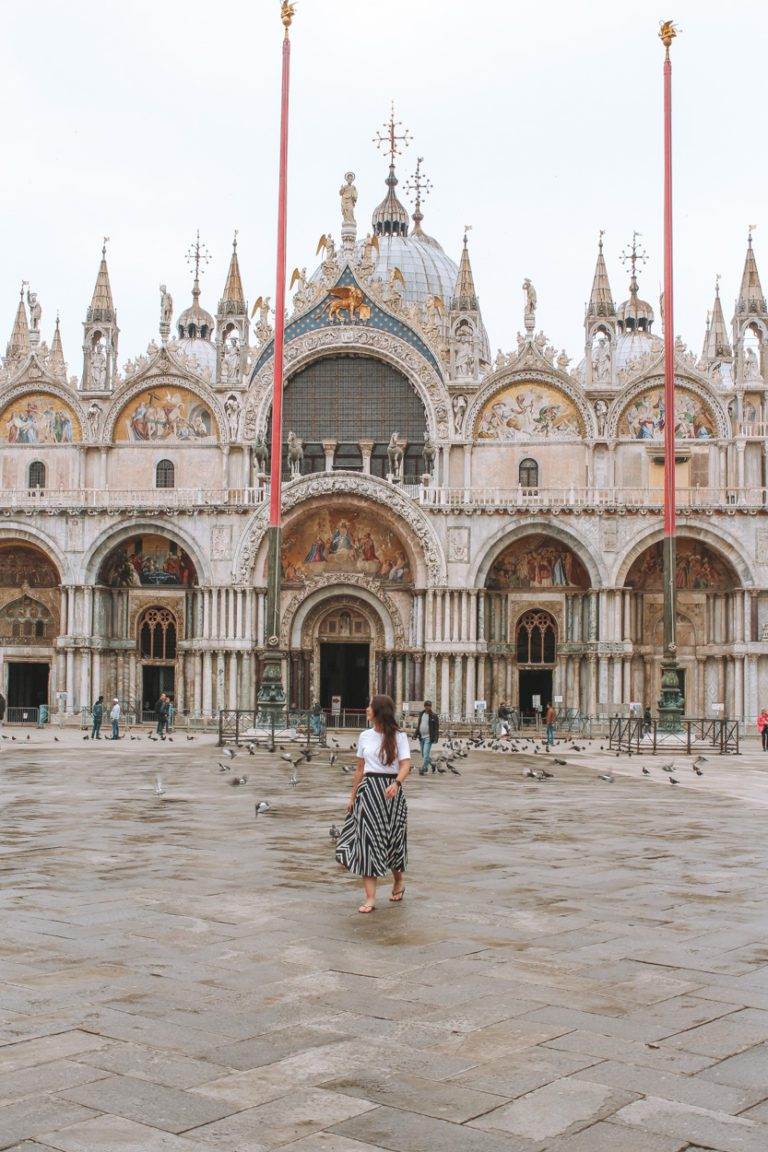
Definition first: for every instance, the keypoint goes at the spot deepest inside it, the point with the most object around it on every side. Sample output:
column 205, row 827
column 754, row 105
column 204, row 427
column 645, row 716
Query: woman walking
column 374, row 838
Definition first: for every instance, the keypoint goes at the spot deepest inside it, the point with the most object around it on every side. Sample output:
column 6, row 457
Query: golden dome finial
column 667, row 33
column 287, row 12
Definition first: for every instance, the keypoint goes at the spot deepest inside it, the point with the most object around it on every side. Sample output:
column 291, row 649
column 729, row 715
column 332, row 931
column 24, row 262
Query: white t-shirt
column 369, row 751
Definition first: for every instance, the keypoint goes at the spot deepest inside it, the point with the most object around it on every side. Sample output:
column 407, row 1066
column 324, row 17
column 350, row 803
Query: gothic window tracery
column 536, row 638
column 157, row 634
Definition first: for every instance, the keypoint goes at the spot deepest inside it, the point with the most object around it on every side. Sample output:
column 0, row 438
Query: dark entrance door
column 344, row 672
column 155, row 678
column 27, row 685
column 534, row 682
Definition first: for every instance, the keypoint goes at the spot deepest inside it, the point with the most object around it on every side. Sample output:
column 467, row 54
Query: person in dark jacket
column 427, row 732
column 161, row 708
column 97, row 712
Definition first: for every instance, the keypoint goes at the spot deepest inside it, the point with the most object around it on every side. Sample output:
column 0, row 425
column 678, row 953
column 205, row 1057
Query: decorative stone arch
column 46, row 387
column 164, row 380
column 698, row 387
column 505, row 536
column 430, row 568
column 720, row 542
column 398, row 353
column 508, row 377
column 13, row 532
column 306, row 609
column 108, row 539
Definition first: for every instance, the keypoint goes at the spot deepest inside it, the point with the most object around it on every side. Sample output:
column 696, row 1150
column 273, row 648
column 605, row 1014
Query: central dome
column 426, row 269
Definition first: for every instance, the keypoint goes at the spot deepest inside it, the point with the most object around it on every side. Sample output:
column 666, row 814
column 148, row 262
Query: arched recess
column 40, row 413
column 429, row 565
column 554, row 390
column 360, row 341
column 13, row 533
column 302, row 608
column 505, row 536
column 110, row 538
column 176, row 399
column 721, row 543
column 696, row 405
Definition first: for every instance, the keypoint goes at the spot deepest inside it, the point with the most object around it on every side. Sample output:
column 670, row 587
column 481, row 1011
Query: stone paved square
column 577, row 966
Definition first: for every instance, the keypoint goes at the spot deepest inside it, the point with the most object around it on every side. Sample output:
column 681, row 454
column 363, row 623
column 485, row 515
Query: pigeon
column 335, row 743
column 562, row 763
column 548, row 775
column 332, row 759
column 228, row 753
column 697, row 770
column 55, row 739
column 347, row 769
column 334, row 832
column 28, row 736
column 293, row 780
column 608, row 779
column 159, row 789
column 134, row 737
column 455, row 771
column 223, row 767
column 237, row 780
column 668, row 767
column 263, row 806
column 84, row 737
column 190, row 737
column 700, row 760
column 307, row 755
column 673, row 780
column 251, row 749
column 646, row 771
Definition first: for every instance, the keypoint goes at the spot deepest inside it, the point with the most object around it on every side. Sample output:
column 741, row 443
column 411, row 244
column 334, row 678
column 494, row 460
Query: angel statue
column 530, row 305
column 348, row 194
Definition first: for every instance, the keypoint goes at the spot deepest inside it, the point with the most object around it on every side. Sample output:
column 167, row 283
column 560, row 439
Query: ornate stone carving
column 458, row 545
column 355, row 579
column 221, row 543
column 337, row 484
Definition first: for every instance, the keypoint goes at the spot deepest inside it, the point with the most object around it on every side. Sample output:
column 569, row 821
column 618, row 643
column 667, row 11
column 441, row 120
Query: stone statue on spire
column 166, row 313
column 35, row 311
column 529, row 315
column 348, row 194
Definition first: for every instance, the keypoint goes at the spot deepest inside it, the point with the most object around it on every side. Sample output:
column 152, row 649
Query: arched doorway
column 157, row 639
column 30, row 607
column 344, row 636
column 536, row 653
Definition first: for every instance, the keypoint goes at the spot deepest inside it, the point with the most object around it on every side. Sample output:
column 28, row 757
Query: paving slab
column 281, row 1121
column 116, row 1134
column 27, row 1118
column 554, row 1109
column 713, row 1129
column 409, row 1132
column 170, row 1109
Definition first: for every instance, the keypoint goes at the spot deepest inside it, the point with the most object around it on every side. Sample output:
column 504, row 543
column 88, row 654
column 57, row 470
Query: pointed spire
column 600, row 299
column 464, row 295
column 101, row 308
column 716, row 343
column 18, row 345
column 233, row 299
column 56, row 361
column 751, row 298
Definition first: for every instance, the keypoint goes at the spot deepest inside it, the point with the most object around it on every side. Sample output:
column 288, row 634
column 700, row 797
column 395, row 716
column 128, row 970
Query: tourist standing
column 97, row 712
column 161, row 708
column 762, row 727
column 115, row 718
column 374, row 839
column 427, row 732
column 550, row 716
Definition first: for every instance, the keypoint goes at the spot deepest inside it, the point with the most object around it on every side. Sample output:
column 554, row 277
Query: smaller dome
column 634, row 315
column 195, row 322
column 390, row 218
column 633, row 344
column 199, row 349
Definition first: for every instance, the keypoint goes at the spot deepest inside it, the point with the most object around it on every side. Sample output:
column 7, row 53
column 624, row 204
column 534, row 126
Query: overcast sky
column 540, row 123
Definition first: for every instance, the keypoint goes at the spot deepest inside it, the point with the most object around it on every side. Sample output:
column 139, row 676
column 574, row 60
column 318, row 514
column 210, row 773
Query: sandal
column 397, row 895
column 365, row 908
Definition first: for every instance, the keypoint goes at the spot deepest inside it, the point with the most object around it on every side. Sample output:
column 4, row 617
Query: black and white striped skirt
column 374, row 839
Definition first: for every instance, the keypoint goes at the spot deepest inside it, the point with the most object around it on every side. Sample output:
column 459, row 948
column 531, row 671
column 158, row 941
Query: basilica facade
column 459, row 524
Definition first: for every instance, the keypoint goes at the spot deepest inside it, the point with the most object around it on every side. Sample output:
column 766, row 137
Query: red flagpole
column 671, row 704
column 276, row 454
column 669, row 313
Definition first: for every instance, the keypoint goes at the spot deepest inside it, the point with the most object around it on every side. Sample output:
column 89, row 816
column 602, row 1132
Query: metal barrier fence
column 633, row 734
column 347, row 718
column 26, row 715
column 237, row 725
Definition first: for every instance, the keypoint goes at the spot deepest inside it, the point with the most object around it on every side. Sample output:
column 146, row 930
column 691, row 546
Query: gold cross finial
column 634, row 256
column 717, row 284
column 234, row 239
column 419, row 184
column 600, row 238
column 391, row 140
column 751, row 228
column 467, row 230
column 198, row 254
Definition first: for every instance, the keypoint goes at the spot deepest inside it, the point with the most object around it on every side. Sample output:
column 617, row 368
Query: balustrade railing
column 570, row 498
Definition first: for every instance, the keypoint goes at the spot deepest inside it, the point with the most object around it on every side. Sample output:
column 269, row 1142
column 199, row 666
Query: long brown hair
column 383, row 709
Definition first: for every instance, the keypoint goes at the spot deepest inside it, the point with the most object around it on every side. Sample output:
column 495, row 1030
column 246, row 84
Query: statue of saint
column 601, row 359
column 166, row 306
column 464, row 361
column 98, row 372
column 35, row 311
column 601, row 411
column 232, row 409
column 348, row 194
column 94, row 413
column 459, row 405
column 530, row 305
column 751, row 365
column 230, row 364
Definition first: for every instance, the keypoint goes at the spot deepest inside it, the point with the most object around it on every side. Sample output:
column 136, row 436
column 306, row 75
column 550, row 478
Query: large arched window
column 536, row 638
column 165, row 474
column 157, row 634
column 348, row 399
column 528, row 473
column 37, row 474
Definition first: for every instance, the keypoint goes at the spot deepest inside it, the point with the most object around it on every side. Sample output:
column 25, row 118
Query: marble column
column 445, row 673
column 207, row 678
column 329, row 448
column 469, row 688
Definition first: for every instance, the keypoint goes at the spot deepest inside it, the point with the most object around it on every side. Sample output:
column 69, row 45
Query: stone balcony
column 440, row 499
